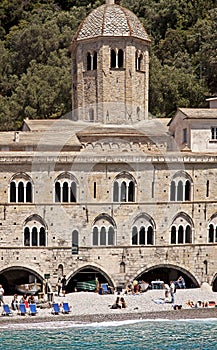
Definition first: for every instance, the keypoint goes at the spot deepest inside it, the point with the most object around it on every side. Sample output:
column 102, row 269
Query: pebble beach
column 88, row 307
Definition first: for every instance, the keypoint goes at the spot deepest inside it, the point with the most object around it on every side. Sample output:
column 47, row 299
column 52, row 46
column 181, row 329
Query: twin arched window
column 65, row 189
column 180, row 187
column 34, row 233
column 104, row 231
column 21, row 189
column 139, row 62
column 91, row 61
column 143, row 231
column 181, row 230
column 124, row 188
column 117, row 58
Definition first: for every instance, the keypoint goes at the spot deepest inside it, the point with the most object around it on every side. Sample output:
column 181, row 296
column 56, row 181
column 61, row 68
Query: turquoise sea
column 126, row 335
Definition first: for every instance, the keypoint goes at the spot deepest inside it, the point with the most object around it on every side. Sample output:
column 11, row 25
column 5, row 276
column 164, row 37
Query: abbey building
column 107, row 192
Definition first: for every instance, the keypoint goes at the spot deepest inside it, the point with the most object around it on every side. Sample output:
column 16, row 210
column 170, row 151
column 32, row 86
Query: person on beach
column 14, row 303
column 181, row 282
column 63, row 281
column 167, row 292
column 59, row 286
column 123, row 303
column 172, row 291
column 31, row 299
column 116, row 305
column 1, row 294
column 24, row 301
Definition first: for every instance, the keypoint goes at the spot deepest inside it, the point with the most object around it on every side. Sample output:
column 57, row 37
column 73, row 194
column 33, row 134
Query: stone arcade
column 106, row 192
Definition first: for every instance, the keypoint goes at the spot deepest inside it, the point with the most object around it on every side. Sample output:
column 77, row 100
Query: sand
column 89, row 307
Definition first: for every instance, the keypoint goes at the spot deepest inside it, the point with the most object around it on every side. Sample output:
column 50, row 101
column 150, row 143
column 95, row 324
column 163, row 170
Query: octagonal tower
column 110, row 67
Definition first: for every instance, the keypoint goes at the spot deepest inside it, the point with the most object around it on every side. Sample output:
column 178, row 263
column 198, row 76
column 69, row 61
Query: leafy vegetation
column 35, row 60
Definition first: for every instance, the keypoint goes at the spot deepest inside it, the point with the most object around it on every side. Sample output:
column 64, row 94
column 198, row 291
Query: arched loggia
column 19, row 279
column 167, row 273
column 88, row 278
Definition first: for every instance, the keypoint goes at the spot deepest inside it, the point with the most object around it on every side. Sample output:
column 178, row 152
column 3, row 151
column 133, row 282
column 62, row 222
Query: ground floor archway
column 17, row 278
column 168, row 273
column 87, row 278
column 214, row 284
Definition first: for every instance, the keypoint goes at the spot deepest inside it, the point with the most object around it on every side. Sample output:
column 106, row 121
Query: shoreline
column 184, row 314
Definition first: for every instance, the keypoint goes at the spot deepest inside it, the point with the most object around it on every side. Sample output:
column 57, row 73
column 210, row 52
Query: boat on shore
column 28, row 288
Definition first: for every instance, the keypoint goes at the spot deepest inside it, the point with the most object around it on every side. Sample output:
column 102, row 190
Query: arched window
column 91, row 115
column 138, row 112
column 124, row 188
column 120, row 58
column 143, row 231
column 34, row 237
column 95, row 60
column 212, row 231
column 21, row 189
column 42, row 237
column 113, row 59
column 104, row 231
column 140, row 66
column 134, row 236
column 75, row 242
column 173, row 191
column 181, row 230
column 111, row 236
column 142, row 235
column 65, row 192
column 188, row 238
column 12, row 191
column 115, row 191
column 65, row 188
column 122, row 267
column 117, row 58
column 92, row 61
column 57, row 192
column 131, row 191
column 150, row 235
column 89, row 61
column 103, row 236
column 123, row 191
column 180, row 191
column 73, row 192
column 26, row 237
column 173, row 235
column 34, row 232
column 187, row 190
column 95, row 236
column 180, row 187
column 29, row 192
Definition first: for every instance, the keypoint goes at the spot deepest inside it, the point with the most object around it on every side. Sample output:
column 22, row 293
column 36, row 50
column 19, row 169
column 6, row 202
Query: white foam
column 106, row 324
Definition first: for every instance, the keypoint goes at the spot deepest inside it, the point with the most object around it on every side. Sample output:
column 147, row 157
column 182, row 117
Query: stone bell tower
column 110, row 67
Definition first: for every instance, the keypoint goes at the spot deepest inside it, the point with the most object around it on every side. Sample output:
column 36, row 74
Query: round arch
column 14, row 278
column 166, row 273
column 87, row 277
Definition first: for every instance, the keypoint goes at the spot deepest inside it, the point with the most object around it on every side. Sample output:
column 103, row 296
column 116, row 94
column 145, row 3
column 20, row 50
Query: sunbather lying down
column 200, row 304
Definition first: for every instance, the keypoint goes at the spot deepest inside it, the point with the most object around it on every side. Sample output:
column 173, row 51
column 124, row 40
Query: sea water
column 126, row 335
